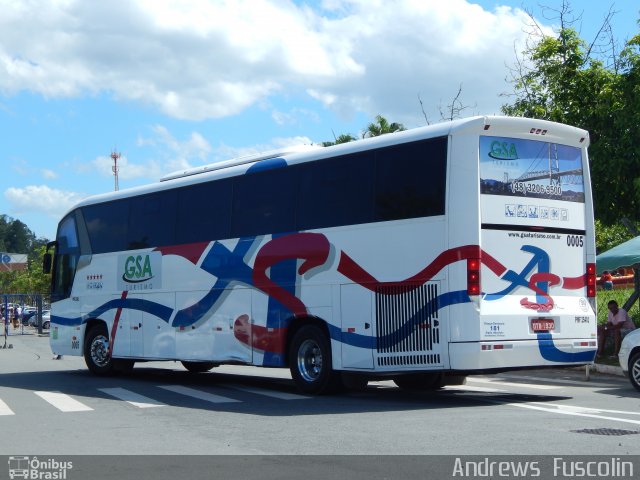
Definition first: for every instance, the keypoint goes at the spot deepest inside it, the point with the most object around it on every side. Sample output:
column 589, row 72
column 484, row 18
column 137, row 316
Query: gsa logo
column 137, row 269
column 140, row 272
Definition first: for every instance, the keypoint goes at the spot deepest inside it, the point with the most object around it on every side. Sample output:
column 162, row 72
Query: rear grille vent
column 407, row 325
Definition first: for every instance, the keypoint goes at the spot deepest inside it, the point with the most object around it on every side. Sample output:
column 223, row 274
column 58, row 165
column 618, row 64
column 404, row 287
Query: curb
column 607, row 369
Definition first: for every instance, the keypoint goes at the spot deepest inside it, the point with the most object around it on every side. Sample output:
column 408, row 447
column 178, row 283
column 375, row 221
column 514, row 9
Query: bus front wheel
column 96, row 351
column 310, row 361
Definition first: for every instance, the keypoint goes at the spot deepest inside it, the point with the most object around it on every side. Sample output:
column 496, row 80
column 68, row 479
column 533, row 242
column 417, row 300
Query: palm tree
column 342, row 138
column 382, row 126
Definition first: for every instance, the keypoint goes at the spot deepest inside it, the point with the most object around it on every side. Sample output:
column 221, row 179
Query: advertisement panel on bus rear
column 531, row 182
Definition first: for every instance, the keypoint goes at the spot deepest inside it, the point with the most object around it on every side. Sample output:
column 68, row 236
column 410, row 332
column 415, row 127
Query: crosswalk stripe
column 268, row 393
column 4, row 409
column 132, row 398
column 192, row 392
column 63, row 402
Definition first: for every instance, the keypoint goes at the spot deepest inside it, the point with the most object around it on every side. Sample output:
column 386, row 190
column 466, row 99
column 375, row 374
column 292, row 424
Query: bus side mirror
column 46, row 263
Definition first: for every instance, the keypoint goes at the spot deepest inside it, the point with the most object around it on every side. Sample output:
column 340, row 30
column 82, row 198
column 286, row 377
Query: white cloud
column 292, row 117
column 209, row 59
column 41, row 199
column 48, row 174
column 127, row 170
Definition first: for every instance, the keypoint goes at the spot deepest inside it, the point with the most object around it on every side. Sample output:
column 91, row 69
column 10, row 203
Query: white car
column 629, row 357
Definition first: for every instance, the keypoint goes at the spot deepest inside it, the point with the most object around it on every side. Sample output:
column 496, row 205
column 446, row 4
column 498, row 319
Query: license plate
column 543, row 324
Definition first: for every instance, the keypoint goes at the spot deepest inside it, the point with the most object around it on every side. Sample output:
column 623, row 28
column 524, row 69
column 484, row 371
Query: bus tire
column 455, row 380
column 123, row 365
column 354, row 381
column 310, row 362
column 634, row 370
column 419, row 382
column 198, row 367
column 96, row 351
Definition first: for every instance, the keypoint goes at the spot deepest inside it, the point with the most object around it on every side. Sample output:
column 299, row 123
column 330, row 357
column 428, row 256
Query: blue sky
column 176, row 84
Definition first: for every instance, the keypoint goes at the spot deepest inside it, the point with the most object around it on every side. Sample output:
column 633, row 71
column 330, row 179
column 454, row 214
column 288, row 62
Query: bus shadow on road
column 253, row 395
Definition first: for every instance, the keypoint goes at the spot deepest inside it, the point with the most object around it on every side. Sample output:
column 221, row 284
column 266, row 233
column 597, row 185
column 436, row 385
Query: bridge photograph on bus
column 420, row 256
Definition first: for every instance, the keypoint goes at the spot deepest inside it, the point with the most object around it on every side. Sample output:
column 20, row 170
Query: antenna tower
column 115, row 156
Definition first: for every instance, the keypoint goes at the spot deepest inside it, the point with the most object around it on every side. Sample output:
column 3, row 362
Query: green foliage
column 374, row 129
column 620, row 296
column 343, row 138
column 31, row 280
column 15, row 237
column 609, row 236
column 382, row 126
column 564, row 83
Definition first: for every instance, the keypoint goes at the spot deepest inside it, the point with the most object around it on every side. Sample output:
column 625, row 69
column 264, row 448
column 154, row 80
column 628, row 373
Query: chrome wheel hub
column 310, row 360
column 100, row 350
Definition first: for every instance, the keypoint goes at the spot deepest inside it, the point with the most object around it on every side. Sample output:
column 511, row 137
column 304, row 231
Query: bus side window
column 336, row 192
column 263, row 202
column 411, row 179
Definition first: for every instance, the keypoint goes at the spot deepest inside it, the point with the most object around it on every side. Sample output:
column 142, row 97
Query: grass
column 621, row 296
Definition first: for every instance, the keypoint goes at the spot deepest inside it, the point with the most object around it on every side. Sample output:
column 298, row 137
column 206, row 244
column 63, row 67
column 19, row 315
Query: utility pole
column 115, row 156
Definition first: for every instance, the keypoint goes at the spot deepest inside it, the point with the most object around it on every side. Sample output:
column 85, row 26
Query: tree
column 342, row 138
column 374, row 129
column 563, row 79
column 382, row 126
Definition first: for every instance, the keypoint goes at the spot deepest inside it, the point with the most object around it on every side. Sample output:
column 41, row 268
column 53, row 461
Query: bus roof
column 516, row 126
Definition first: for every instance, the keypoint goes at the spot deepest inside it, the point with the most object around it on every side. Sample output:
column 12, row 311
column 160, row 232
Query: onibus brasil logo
column 33, row 468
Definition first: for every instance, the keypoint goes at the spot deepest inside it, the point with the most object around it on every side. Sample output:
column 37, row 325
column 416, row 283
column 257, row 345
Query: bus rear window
column 530, row 169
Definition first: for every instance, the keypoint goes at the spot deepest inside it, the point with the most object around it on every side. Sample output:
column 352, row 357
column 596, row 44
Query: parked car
column 629, row 357
column 46, row 320
column 27, row 314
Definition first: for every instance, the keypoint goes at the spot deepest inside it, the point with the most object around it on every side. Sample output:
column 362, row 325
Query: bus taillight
column 473, row 276
column 591, row 279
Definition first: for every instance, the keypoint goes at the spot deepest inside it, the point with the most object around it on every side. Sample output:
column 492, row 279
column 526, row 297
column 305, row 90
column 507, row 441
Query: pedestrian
column 618, row 325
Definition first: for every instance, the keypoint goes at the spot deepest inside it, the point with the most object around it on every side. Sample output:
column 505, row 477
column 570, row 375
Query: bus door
column 357, row 339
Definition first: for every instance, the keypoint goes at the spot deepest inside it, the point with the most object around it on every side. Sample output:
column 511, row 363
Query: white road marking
column 579, row 409
column 63, row 402
column 4, row 409
column 512, row 384
column 192, row 392
column 269, row 393
column 471, row 388
column 576, row 411
column 564, row 381
column 132, row 398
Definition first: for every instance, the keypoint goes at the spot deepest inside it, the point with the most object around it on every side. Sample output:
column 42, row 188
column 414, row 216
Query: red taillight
column 473, row 276
column 591, row 280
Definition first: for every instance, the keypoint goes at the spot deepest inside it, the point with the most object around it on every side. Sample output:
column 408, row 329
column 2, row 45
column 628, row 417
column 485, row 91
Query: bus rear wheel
column 310, row 361
column 96, row 351
column 198, row 367
column 419, row 382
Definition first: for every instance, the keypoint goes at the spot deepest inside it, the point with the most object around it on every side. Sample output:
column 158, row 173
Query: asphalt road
column 56, row 407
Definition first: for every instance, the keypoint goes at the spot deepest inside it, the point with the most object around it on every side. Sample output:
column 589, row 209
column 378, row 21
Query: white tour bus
column 419, row 256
